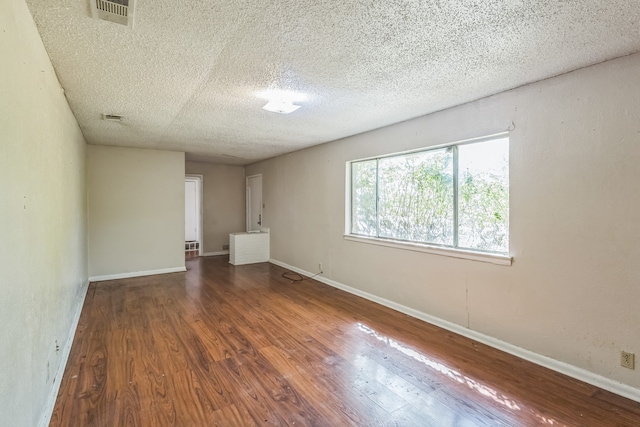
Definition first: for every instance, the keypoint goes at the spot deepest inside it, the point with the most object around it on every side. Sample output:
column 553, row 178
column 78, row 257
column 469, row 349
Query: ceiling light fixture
column 281, row 101
column 282, row 107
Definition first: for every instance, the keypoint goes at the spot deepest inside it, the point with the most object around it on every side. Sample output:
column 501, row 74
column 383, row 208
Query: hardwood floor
column 242, row 346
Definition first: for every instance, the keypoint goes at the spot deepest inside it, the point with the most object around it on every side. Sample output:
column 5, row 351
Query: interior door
column 254, row 203
column 190, row 211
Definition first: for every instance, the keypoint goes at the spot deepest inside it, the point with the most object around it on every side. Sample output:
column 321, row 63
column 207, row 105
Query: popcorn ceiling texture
column 185, row 77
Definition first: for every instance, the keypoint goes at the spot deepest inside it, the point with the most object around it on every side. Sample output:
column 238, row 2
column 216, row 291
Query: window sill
column 437, row 250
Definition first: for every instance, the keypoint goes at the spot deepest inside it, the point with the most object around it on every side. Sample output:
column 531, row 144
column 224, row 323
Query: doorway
column 254, row 203
column 193, row 215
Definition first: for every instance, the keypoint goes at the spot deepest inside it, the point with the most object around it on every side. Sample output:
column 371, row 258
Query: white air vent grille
column 113, row 8
column 117, row 11
column 112, row 117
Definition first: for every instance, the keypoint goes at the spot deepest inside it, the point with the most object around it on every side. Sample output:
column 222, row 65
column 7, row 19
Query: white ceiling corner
column 187, row 75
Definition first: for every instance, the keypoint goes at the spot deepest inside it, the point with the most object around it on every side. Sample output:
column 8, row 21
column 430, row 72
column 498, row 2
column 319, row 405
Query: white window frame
column 470, row 254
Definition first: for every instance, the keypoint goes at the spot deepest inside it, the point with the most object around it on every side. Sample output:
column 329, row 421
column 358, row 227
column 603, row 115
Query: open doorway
column 254, row 203
column 193, row 216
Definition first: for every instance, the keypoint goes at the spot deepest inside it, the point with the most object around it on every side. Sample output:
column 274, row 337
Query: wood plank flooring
column 242, row 346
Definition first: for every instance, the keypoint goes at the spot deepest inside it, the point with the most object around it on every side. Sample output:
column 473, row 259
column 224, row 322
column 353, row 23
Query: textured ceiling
column 186, row 76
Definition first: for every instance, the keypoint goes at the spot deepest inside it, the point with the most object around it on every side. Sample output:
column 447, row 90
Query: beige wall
column 135, row 210
column 573, row 290
column 223, row 204
column 43, row 263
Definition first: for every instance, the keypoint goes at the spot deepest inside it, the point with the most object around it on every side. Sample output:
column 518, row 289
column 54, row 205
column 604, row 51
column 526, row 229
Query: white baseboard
column 555, row 365
column 66, row 350
column 136, row 274
column 216, row 253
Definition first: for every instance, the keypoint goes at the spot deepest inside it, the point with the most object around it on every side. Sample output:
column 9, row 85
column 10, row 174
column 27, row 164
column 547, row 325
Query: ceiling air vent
column 112, row 117
column 118, row 11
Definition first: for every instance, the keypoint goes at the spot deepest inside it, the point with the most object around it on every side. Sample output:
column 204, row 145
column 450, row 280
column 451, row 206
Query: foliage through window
column 456, row 196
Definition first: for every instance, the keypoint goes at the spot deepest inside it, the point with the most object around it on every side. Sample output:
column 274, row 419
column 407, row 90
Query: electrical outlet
column 627, row 360
column 320, row 267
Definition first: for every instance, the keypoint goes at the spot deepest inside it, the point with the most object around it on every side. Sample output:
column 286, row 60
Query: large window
column 456, row 196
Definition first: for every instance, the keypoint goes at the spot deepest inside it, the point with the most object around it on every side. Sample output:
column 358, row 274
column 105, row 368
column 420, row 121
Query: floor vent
column 117, row 11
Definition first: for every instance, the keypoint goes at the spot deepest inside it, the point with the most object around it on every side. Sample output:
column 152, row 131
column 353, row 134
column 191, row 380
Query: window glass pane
column 363, row 198
column 416, row 197
column 483, row 197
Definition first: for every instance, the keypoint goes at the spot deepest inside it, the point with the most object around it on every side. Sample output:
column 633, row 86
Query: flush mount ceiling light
column 281, row 101
column 282, row 107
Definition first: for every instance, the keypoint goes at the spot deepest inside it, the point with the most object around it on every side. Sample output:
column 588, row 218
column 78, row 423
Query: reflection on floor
column 242, row 346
